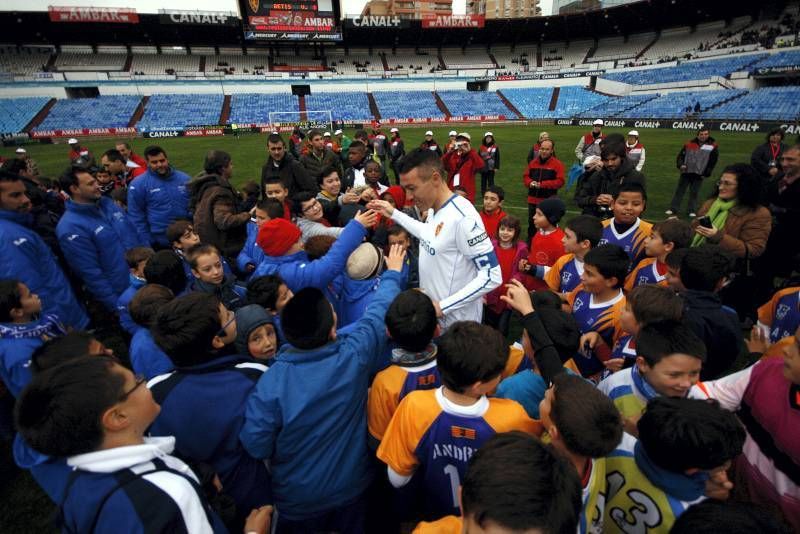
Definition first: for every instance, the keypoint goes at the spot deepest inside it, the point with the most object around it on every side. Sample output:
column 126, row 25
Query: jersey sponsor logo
column 438, row 229
column 427, row 246
column 603, row 241
column 20, row 241
column 448, row 450
column 426, row 380
column 477, row 239
column 462, row 432
column 98, row 229
column 73, row 237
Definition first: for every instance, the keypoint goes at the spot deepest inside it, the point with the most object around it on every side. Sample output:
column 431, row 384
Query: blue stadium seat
column 695, row 70
column 407, row 105
column 781, row 59
column 254, row 108
column 16, row 113
column 169, row 112
column 100, row 112
column 674, row 105
column 343, row 106
column 465, row 103
column 531, row 102
column 615, row 107
column 769, row 103
column 572, row 100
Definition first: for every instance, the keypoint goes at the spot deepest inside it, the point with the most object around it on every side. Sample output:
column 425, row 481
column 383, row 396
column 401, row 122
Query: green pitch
column 249, row 153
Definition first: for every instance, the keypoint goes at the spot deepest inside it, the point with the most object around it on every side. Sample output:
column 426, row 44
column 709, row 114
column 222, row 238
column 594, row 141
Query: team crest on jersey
column 781, row 312
column 577, row 305
column 565, row 277
column 438, row 229
column 462, row 432
column 602, row 241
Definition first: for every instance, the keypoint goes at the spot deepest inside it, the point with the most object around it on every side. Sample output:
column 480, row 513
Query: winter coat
column 218, row 219
column 155, row 202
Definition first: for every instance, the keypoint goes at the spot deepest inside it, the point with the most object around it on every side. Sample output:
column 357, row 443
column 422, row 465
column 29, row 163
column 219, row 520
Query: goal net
column 305, row 120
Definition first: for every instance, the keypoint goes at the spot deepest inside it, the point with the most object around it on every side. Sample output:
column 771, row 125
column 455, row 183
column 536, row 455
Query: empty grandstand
column 100, row 112
column 254, row 108
column 473, row 103
column 690, row 70
column 407, row 105
column 769, row 103
column 169, row 112
column 16, row 113
column 343, row 106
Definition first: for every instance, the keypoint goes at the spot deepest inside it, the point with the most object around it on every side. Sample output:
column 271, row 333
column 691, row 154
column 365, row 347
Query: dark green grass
column 24, row 508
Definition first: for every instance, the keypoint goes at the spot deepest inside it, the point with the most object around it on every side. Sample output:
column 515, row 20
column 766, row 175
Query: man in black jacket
column 696, row 161
column 293, row 175
column 595, row 194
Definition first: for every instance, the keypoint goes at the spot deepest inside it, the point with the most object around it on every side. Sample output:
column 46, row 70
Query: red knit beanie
column 276, row 236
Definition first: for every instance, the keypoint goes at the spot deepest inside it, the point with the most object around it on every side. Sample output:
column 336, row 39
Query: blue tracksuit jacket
column 251, row 252
column 94, row 238
column 155, row 202
column 125, row 299
column 307, row 415
column 147, row 358
column 17, row 344
column 24, row 256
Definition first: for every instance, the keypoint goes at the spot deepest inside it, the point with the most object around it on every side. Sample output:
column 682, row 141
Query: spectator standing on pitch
column 379, row 144
column 457, row 263
column 766, row 158
column 76, row 151
column 451, row 141
column 331, row 144
column 543, row 178
column 124, row 171
column 430, row 143
column 397, row 149
column 696, row 161
column 462, row 162
column 589, row 144
column 31, row 165
column 635, row 150
column 319, row 157
column 344, row 144
column 490, row 154
column 280, row 165
column 127, row 152
column 218, row 217
column 533, row 153
column 157, row 198
column 27, row 258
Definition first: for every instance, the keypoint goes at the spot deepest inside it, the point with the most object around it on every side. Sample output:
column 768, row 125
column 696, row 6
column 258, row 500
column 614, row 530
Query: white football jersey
column 457, row 263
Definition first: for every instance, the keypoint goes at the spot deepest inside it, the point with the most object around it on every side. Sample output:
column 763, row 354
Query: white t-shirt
column 457, row 263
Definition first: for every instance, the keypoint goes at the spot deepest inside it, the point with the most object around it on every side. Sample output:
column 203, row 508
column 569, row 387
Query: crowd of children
column 307, row 383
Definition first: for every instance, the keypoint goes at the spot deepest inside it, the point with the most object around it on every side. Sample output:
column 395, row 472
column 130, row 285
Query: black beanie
column 307, row 319
column 553, row 208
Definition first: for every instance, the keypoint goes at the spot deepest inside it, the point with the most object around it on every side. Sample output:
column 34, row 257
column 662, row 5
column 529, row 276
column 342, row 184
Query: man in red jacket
column 543, row 178
column 462, row 163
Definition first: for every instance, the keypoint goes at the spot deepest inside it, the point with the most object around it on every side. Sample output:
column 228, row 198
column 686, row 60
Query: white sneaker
column 692, row 215
column 669, row 213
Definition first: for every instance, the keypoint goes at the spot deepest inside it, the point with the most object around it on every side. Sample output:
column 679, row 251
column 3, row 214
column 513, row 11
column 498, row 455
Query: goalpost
column 305, row 120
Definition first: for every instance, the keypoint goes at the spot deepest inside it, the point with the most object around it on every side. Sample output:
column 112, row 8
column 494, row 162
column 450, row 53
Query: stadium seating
column 169, row 112
column 694, row 70
column 100, row 112
column 357, row 62
column 16, row 113
column 468, row 59
column 618, row 48
column 781, row 59
column 343, row 106
column 237, row 64
column 154, row 64
column 474, row 103
column 615, row 107
column 254, row 108
column 407, row 105
column 531, row 102
column 87, row 62
column 675, row 105
column 769, row 103
column 22, row 62
column 523, row 58
column 408, row 60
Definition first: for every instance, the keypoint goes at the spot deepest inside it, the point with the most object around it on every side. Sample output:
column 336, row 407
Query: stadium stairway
column 383, row 60
column 539, row 57
column 509, row 105
column 590, row 53
column 202, row 67
column 494, row 60
column 441, row 61
column 226, row 110
column 301, row 103
column 51, row 61
column 646, row 48
column 39, row 117
column 373, row 106
column 128, row 61
column 554, row 99
column 440, row 104
column 139, row 112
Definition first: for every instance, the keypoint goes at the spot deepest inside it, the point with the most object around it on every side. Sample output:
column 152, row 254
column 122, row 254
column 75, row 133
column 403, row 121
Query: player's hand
column 604, row 200
column 589, row 339
column 759, row 340
column 684, row 168
column 708, row 233
column 394, row 261
column 250, row 267
column 718, row 486
column 259, row 520
column 773, row 171
column 518, row 297
column 349, row 197
column 523, row 265
column 629, row 424
column 438, row 308
column 382, row 207
column 368, row 195
column 367, row 219
column 614, row 364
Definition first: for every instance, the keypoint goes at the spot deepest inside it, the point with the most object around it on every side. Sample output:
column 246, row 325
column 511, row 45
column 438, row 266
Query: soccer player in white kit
column 457, row 263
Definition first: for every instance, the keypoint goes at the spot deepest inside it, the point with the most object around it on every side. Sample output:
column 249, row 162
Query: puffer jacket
column 218, row 218
column 155, row 202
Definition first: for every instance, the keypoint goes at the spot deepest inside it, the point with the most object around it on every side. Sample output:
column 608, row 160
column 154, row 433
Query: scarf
column 684, row 487
column 718, row 213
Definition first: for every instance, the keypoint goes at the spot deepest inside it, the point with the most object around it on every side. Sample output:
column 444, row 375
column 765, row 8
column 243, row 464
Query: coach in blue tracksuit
column 94, row 234
column 24, row 256
column 157, row 198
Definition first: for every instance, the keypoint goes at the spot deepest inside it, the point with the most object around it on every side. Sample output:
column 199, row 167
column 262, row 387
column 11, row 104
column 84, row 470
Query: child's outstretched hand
column 367, row 218
column 518, row 297
column 759, row 340
column 394, row 261
column 259, row 520
column 382, row 207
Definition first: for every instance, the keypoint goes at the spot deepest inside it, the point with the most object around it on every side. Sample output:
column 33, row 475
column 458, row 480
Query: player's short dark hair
column 427, row 161
column 154, row 150
column 317, row 246
column 123, row 143
column 272, row 206
column 610, row 261
column 10, row 299
column 57, row 350
column 360, row 134
column 120, row 194
column 14, row 167
column 55, row 415
column 675, row 258
column 674, row 231
column 327, row 171
column 216, row 161
column 651, row 303
column 587, row 420
column 613, row 147
column 134, row 256
column 680, row 434
column 314, row 133
column 272, row 180
column 497, row 190
column 470, row 352
column 275, row 139
column 521, row 484
column 112, row 154
column 166, row 268
column 749, row 189
column 562, row 328
column 185, row 327
column 70, row 177
column 357, row 143
column 411, row 320
column 586, row 228
column 661, row 339
column 703, row 267
column 7, row 176
column 631, row 187
column 200, row 249
column 176, row 229
column 396, row 229
column 307, row 319
column 712, row 516
column 263, row 291
column 299, row 198
column 250, row 188
column 147, row 302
